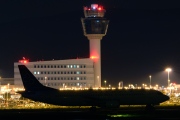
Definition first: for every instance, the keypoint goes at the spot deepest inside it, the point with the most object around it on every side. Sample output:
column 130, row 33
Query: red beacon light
column 24, row 60
column 93, row 57
column 100, row 8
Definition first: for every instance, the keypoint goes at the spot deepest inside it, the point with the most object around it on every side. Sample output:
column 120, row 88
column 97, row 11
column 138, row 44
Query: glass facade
column 95, row 25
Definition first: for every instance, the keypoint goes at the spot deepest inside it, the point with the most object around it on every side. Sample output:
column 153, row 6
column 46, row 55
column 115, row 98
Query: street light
column 98, row 82
column 168, row 70
column 150, row 82
column 0, row 84
column 45, row 81
column 109, row 86
column 105, row 83
column 7, row 94
column 120, row 84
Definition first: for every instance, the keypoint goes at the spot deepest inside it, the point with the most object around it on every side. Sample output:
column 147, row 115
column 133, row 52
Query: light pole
column 121, row 84
column 45, row 80
column 0, row 84
column 168, row 70
column 7, row 94
column 98, row 81
column 105, row 83
column 150, row 82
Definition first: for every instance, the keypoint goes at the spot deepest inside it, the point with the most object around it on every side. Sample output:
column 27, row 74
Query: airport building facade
column 59, row 74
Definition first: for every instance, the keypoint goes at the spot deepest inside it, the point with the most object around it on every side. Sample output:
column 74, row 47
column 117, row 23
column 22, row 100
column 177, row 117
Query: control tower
column 95, row 27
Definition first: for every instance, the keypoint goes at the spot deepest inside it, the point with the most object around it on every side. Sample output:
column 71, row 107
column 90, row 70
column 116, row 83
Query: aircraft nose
column 166, row 97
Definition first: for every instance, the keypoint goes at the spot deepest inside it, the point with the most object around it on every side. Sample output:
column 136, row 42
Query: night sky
column 142, row 38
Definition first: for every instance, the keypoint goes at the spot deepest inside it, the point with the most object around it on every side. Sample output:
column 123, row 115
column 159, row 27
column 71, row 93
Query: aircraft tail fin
column 29, row 80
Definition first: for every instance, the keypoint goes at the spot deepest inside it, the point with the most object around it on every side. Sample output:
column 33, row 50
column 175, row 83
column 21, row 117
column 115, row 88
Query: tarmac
column 136, row 113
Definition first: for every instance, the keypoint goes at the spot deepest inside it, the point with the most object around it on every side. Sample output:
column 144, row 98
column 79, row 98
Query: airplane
column 36, row 91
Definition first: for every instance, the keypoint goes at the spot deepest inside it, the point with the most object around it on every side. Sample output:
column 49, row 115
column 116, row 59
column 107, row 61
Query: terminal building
column 73, row 73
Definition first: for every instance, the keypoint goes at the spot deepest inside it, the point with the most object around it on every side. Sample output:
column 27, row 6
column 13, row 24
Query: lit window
column 34, row 72
column 71, row 66
column 77, row 66
column 77, row 78
column 67, row 66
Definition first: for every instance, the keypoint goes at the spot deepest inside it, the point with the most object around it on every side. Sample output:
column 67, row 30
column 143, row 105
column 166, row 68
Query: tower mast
column 94, row 28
